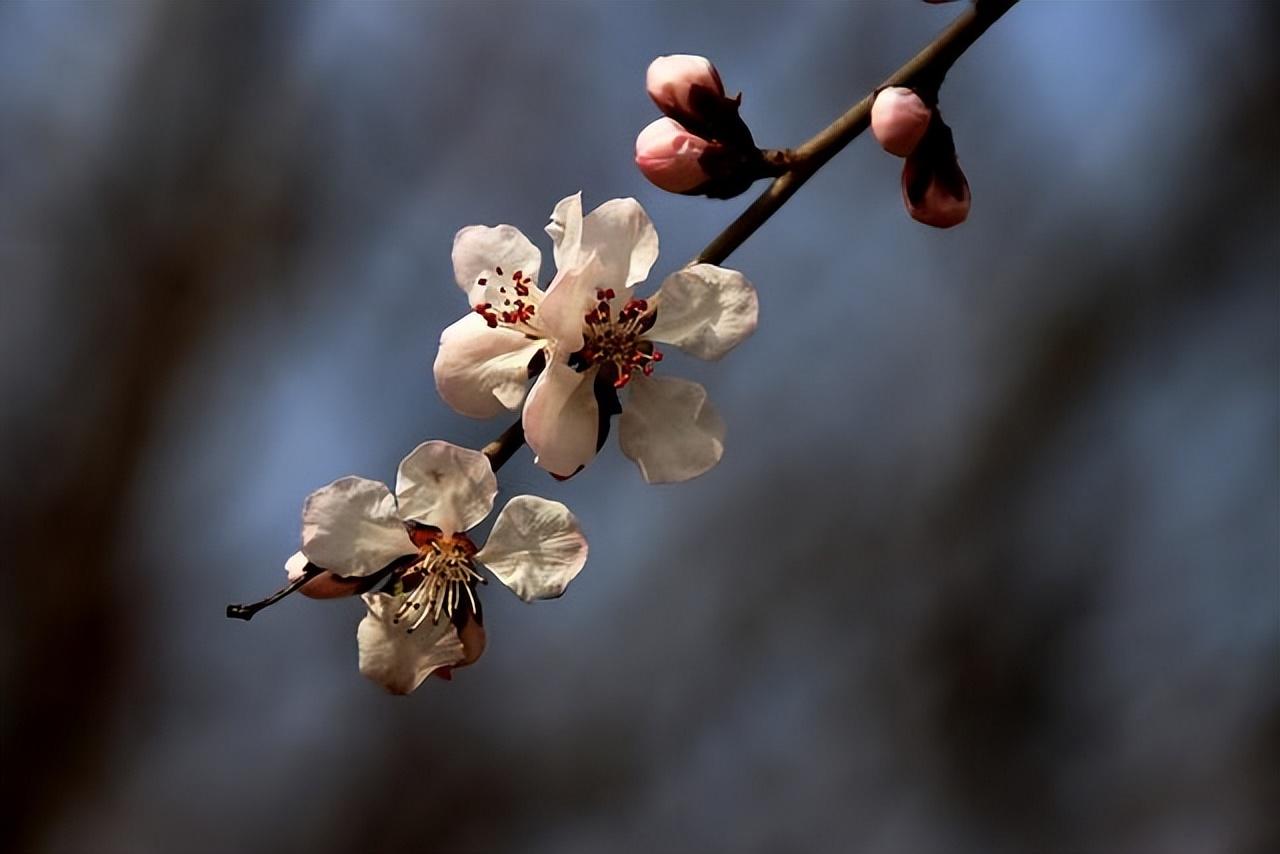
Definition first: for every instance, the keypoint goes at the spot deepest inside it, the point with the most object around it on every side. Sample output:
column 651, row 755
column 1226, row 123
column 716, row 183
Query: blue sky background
column 990, row 562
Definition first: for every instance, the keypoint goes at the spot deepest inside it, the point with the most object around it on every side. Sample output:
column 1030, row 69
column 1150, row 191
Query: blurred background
column 992, row 561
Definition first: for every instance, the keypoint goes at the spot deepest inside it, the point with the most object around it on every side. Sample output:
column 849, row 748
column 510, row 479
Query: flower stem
column 246, row 612
column 927, row 67
column 504, row 447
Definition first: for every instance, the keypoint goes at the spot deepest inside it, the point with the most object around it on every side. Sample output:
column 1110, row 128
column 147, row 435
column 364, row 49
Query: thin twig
column 504, row 447
column 928, row 67
column 246, row 612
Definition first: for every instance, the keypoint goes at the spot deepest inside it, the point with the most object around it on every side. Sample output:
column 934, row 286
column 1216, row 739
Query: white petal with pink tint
column 565, row 230
column 447, row 486
column 621, row 234
column 705, row 310
column 295, row 566
column 352, row 528
column 481, row 371
column 561, row 419
column 568, row 299
column 536, row 547
column 481, row 251
column 670, row 429
column 397, row 659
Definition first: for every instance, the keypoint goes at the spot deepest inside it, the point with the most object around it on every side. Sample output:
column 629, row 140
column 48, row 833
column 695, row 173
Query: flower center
column 512, row 301
column 436, row 582
column 615, row 343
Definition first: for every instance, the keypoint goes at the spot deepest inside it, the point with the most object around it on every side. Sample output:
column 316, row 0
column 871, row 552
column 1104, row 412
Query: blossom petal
column 396, row 658
column 569, row 297
column 705, row 310
column 352, row 528
column 536, row 547
column 481, row 251
column 480, row 371
column 670, row 429
column 447, row 486
column 620, row 232
column 565, row 230
column 561, row 419
column 295, row 566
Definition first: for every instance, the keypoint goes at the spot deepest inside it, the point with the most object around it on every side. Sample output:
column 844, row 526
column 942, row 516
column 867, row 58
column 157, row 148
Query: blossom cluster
column 568, row 358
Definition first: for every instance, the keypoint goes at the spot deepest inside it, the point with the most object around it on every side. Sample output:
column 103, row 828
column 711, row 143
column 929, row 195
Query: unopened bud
column 899, row 119
column 324, row 584
column 680, row 84
column 934, row 188
column 669, row 156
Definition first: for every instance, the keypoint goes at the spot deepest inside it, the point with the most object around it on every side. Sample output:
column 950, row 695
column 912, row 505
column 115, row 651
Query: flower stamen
column 615, row 343
column 512, row 303
column 432, row 586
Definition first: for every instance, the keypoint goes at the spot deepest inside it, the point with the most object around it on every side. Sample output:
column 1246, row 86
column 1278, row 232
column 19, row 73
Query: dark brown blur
column 992, row 561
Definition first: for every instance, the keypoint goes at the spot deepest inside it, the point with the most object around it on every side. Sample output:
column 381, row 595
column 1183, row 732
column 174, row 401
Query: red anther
column 516, row 275
column 657, row 356
column 522, row 289
column 609, row 294
column 622, row 380
column 648, row 369
column 638, row 305
column 484, row 309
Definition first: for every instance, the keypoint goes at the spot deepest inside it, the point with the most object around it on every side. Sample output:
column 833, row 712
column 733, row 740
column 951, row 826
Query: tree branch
column 928, row 66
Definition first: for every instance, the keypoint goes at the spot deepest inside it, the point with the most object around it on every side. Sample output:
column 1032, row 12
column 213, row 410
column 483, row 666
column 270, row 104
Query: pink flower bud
column 669, row 155
column 674, row 83
column 899, row 119
column 939, row 205
column 934, row 189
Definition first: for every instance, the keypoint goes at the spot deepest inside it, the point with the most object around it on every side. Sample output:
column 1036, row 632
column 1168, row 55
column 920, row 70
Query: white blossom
column 424, row 616
column 592, row 337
